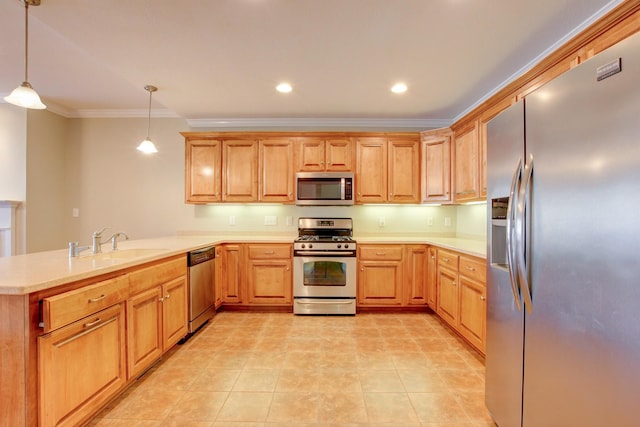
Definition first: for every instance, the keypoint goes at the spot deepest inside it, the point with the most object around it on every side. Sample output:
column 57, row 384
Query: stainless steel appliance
column 563, row 320
column 201, row 264
column 324, row 188
column 324, row 267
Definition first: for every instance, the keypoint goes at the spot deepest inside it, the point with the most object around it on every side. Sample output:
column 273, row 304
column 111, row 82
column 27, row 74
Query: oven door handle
column 324, row 253
column 325, row 302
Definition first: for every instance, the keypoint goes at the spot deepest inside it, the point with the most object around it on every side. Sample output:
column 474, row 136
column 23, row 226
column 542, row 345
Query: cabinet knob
column 361, row 268
column 483, row 298
column 432, row 257
column 161, row 299
column 471, row 269
column 167, row 296
column 322, row 163
column 454, row 284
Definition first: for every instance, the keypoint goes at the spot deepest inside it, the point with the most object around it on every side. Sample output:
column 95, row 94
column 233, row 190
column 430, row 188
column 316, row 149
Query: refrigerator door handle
column 511, row 257
column 521, row 238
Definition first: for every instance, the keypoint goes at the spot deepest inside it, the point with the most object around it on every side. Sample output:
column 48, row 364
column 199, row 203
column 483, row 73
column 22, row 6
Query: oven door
column 324, row 276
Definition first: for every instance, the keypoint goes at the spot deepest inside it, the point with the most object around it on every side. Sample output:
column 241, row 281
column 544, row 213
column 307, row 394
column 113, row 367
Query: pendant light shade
column 24, row 95
column 147, row 145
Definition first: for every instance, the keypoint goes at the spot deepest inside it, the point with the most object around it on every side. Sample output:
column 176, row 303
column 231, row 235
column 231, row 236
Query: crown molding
column 123, row 114
column 318, row 123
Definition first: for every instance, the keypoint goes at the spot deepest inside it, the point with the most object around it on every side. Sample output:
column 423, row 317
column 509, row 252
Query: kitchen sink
column 125, row 253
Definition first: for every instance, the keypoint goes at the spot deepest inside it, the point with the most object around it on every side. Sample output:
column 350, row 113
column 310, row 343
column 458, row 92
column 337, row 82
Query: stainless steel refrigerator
column 563, row 261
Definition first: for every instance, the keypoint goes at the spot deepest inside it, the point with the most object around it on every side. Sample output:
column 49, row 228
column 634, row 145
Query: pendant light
column 24, row 95
column 147, row 146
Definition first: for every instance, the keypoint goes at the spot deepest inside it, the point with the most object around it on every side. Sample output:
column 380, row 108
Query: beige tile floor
column 277, row 369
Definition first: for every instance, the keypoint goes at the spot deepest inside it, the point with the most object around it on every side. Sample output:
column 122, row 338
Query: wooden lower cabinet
column 80, row 367
column 432, row 278
column 462, row 294
column 232, row 273
column 269, row 274
column 156, row 320
column 380, row 275
column 416, row 274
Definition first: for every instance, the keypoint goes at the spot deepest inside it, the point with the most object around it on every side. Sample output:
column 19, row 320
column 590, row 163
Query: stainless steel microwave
column 324, row 188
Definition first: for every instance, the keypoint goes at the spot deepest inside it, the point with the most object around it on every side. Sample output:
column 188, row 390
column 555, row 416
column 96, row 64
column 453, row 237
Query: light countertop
column 24, row 274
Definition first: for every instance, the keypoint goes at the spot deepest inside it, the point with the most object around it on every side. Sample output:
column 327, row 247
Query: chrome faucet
column 114, row 239
column 96, row 241
column 74, row 249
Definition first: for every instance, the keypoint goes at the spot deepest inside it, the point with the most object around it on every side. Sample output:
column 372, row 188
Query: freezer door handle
column 521, row 231
column 511, row 258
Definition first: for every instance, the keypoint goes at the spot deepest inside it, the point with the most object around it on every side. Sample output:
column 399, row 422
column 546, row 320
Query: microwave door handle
column 343, row 188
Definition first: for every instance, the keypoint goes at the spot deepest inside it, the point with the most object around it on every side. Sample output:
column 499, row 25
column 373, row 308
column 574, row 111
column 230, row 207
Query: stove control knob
column 339, row 246
column 310, row 245
column 346, row 246
column 303, row 246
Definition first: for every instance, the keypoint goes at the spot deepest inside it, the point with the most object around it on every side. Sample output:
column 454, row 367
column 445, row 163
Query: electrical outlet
column 270, row 220
column 382, row 221
column 75, row 212
column 430, row 221
column 289, row 221
column 232, row 220
column 447, row 221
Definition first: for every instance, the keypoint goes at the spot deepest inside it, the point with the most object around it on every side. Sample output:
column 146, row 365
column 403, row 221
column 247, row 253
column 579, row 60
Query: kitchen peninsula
column 49, row 301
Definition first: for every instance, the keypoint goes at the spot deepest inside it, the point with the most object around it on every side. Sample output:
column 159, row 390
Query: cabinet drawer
column 472, row 268
column 387, row 253
column 269, row 251
column 449, row 259
column 148, row 277
column 62, row 309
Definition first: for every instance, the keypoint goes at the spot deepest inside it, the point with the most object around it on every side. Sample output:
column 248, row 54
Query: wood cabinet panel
column 472, row 311
column 448, row 295
column 174, row 312
column 270, row 281
column 269, row 251
column 380, row 283
column 203, row 171
column 404, row 171
column 310, row 155
column 436, row 166
column 276, row 170
column 148, row 277
column 432, row 274
column 62, row 309
column 232, row 273
column 319, row 154
column 80, row 367
column 380, row 252
column 466, row 172
column 416, row 274
column 144, row 330
column 371, row 170
column 339, row 155
column 240, row 171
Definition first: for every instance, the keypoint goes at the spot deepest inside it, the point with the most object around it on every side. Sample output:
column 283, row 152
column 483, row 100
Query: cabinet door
column 232, row 282
column 473, row 311
column 436, row 170
column 339, row 155
column 467, row 162
column 380, row 283
column 432, row 278
column 310, row 155
column 203, row 171
column 448, row 295
column 144, row 330
column 483, row 159
column 240, row 171
column 404, row 171
column 174, row 312
column 80, row 367
column 371, row 170
column 276, row 170
column 416, row 275
column 269, row 281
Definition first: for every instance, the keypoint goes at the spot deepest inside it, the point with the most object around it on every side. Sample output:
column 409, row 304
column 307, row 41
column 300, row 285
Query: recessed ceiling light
column 399, row 88
column 284, row 88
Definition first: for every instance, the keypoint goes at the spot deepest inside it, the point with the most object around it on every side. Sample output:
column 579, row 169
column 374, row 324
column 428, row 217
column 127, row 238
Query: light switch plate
column 232, row 220
column 270, row 220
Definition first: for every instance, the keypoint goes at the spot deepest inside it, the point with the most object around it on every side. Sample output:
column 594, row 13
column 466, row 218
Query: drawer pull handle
column 454, row 284
column 445, row 259
column 95, row 322
column 381, row 253
column 471, row 269
column 101, row 297
column 269, row 252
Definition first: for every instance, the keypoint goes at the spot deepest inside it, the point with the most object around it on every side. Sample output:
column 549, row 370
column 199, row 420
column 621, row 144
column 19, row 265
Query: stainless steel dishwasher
column 201, row 264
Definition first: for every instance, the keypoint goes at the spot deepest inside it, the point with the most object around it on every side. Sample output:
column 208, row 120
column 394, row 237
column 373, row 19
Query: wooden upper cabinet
column 404, row 170
column 388, row 169
column 203, row 171
column 276, row 170
column 436, row 166
column 467, row 164
column 371, row 170
column 318, row 154
column 240, row 170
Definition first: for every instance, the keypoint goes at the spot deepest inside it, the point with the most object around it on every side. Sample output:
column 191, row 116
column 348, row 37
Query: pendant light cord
column 149, row 120
column 26, row 40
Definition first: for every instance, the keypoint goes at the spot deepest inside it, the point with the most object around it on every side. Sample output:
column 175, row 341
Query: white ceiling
column 221, row 59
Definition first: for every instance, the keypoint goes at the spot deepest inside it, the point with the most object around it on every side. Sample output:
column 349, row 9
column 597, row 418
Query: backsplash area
column 467, row 221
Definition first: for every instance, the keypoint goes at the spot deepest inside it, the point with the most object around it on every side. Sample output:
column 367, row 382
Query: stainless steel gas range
column 324, row 272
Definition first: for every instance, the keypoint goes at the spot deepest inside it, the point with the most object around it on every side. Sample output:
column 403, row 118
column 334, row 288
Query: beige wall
column 95, row 168
column 46, row 186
